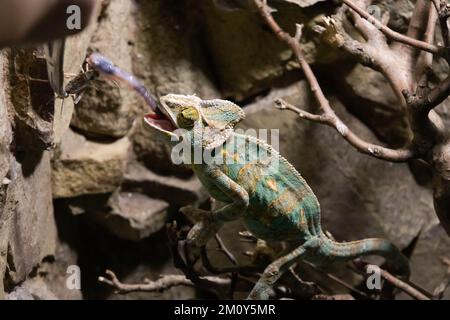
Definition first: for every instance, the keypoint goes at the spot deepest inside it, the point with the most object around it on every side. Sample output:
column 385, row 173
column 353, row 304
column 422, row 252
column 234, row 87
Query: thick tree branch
column 328, row 116
column 425, row 60
column 374, row 53
column 331, row 31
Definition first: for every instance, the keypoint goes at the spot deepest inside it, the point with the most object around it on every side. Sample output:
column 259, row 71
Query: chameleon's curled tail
column 344, row 251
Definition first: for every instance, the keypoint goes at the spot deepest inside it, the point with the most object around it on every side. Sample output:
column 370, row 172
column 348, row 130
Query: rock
column 128, row 215
column 5, row 141
column 177, row 64
column 360, row 196
column 87, row 167
column 106, row 109
column 155, row 154
column 400, row 12
column 172, row 189
column 5, row 125
column 247, row 56
column 27, row 228
column 133, row 216
column 52, row 276
column 367, row 94
column 31, row 100
column 169, row 54
column 304, row 3
column 94, row 249
column 30, row 227
column 74, row 55
column 39, row 289
column 428, row 270
column 19, row 293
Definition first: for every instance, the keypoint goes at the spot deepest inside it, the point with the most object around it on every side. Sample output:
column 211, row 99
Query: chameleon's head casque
column 187, row 111
column 221, row 114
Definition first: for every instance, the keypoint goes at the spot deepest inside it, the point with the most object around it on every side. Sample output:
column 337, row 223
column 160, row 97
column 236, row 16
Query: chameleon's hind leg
column 273, row 272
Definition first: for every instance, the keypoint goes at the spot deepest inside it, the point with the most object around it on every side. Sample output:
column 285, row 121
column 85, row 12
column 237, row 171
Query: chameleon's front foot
column 204, row 229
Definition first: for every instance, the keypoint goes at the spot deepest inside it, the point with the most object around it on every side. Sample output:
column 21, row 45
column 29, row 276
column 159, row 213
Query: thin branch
column 443, row 10
column 244, row 269
column 338, row 280
column 443, row 286
column 222, row 247
column 328, row 116
column 364, row 27
column 400, row 284
column 164, row 283
column 393, row 35
column 333, row 297
column 332, row 120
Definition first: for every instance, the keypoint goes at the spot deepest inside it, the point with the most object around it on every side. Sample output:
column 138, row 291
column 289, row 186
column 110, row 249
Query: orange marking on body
column 242, row 170
column 224, row 152
column 286, row 202
column 302, row 217
column 272, row 184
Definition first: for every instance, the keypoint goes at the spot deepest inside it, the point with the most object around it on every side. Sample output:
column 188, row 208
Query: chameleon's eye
column 187, row 117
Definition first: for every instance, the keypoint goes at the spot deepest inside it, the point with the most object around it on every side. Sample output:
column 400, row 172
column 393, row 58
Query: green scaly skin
column 260, row 186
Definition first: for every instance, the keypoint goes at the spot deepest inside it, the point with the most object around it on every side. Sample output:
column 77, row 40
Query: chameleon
column 253, row 181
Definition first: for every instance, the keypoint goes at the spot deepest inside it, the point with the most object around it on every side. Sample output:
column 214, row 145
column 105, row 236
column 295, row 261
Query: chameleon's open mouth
column 159, row 121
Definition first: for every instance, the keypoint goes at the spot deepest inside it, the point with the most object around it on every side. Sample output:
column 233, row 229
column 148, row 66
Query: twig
column 443, row 11
column 405, row 287
column 441, row 288
column 333, row 297
column 328, row 116
column 338, row 281
column 225, row 250
column 163, row 283
column 233, row 269
column 393, row 35
column 332, row 120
